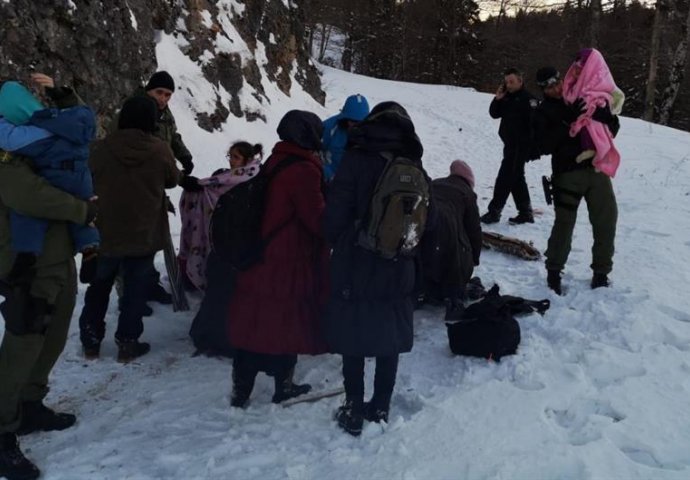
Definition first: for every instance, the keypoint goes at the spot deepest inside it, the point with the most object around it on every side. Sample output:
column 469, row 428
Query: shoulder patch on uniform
column 5, row 157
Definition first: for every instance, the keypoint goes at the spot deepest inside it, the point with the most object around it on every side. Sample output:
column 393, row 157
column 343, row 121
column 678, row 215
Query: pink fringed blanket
column 196, row 209
column 596, row 87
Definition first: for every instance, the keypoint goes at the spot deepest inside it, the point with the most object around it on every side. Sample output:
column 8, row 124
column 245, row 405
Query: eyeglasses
column 549, row 81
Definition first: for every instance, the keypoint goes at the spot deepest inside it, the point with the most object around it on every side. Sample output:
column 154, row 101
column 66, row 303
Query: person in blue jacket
column 57, row 142
column 335, row 131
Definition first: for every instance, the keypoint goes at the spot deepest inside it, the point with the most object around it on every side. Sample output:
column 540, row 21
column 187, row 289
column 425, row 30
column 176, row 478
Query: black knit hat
column 547, row 76
column 140, row 113
column 161, row 79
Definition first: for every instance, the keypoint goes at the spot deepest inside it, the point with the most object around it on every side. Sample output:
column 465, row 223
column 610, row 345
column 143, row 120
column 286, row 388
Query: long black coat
column 370, row 306
column 516, row 111
column 451, row 251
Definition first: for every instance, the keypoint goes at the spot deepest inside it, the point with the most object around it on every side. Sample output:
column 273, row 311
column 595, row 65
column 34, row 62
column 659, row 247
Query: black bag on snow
column 236, row 220
column 487, row 329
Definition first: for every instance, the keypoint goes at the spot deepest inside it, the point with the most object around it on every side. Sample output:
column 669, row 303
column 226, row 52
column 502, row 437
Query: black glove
column 190, row 184
column 603, row 115
column 91, row 212
column 575, row 110
column 187, row 165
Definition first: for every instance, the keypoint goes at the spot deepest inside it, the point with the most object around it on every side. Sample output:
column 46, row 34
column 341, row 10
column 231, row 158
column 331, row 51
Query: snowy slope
column 598, row 390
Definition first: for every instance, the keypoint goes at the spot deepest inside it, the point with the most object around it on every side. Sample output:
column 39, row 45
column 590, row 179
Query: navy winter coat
column 371, row 300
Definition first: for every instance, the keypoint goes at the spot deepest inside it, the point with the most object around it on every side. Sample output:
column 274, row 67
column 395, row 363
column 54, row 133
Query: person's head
column 579, row 63
column 512, row 78
column 17, row 103
column 302, row 128
column 242, row 153
column 139, row 113
column 160, row 87
column 462, row 169
column 550, row 82
column 355, row 109
column 390, row 122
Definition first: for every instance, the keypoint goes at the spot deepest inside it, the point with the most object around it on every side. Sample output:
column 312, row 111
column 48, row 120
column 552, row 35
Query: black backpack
column 236, row 220
column 486, row 329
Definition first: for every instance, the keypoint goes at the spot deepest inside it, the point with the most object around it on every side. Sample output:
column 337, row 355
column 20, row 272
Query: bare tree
column 595, row 22
column 677, row 73
column 650, row 94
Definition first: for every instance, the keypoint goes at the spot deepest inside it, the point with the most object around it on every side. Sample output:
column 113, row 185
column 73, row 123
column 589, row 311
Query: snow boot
column 242, row 386
column 128, row 350
column 350, row 417
column 285, row 388
column 490, row 217
column 13, row 464
column 600, row 280
column 553, row 280
column 522, row 217
column 160, row 295
column 90, row 343
column 36, row 417
column 374, row 413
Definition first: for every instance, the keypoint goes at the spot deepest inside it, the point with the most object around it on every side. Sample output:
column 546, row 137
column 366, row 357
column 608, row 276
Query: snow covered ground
column 599, row 389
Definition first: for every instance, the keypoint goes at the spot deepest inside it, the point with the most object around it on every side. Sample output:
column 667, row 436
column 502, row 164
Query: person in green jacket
column 37, row 310
column 161, row 87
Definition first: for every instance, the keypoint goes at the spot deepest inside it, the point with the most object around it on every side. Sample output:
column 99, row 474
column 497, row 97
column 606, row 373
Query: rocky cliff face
column 108, row 49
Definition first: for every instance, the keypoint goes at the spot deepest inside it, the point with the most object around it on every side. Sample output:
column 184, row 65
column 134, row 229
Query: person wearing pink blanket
column 589, row 81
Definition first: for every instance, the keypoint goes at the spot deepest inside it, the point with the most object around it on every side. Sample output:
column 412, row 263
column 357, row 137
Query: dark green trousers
column 27, row 360
column 596, row 189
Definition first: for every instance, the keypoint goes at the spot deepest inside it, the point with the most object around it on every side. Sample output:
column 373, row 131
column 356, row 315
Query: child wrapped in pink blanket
column 197, row 204
column 590, row 79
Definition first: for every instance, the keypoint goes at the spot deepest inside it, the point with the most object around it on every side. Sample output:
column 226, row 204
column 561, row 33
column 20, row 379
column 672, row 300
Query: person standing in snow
column 199, row 262
column 575, row 177
column 161, row 87
column 335, row 132
column 451, row 250
column 276, row 306
column 131, row 169
column 514, row 105
column 372, row 298
column 37, row 310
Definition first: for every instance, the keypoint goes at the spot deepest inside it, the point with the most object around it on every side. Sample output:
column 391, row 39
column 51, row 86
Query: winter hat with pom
column 17, row 104
column 461, row 169
column 161, row 79
column 139, row 113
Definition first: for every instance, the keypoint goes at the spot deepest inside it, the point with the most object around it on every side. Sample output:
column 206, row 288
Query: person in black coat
column 514, row 105
column 370, row 307
column 452, row 249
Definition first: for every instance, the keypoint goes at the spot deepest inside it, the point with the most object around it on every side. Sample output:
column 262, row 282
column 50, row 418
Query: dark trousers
column 135, row 279
column 246, row 365
column 511, row 180
column 384, row 380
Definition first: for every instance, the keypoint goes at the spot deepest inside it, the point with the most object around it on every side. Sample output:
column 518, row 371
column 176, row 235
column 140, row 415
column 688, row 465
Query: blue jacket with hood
column 334, row 138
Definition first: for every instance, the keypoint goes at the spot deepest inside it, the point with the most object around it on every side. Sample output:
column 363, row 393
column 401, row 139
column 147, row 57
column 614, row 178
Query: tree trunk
column 653, row 63
column 676, row 75
column 595, row 21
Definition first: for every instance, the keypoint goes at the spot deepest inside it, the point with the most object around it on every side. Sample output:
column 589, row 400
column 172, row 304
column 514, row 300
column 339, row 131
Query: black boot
column 350, row 416
column 374, row 412
column 490, row 217
column 36, row 417
column 242, row 386
column 13, row 464
column 160, row 295
column 600, row 280
column 91, row 343
column 553, row 280
column 285, row 388
column 128, row 350
column 522, row 217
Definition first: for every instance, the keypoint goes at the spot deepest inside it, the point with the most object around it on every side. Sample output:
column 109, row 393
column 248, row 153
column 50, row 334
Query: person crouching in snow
column 131, row 170
column 200, row 264
column 57, row 142
column 276, row 306
column 451, row 250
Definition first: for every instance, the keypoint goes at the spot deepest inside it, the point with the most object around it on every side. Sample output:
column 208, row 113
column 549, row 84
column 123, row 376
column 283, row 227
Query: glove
column 91, row 212
column 190, row 184
column 603, row 115
column 187, row 165
column 576, row 109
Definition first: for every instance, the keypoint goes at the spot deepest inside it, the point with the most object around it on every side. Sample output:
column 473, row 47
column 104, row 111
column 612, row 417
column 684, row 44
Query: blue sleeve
column 15, row 137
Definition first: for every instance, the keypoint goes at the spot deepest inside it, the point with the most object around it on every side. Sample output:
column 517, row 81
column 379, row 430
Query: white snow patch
column 133, row 19
column 206, row 18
